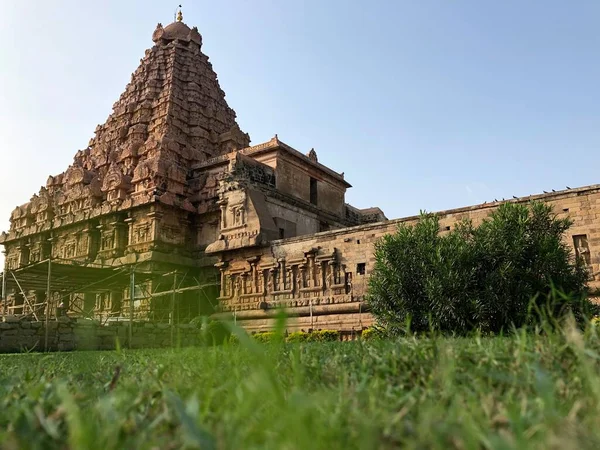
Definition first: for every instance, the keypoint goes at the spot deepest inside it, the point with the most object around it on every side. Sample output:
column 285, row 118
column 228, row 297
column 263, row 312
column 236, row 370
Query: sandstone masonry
column 170, row 188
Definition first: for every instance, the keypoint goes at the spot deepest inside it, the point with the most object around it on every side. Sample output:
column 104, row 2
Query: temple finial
column 179, row 15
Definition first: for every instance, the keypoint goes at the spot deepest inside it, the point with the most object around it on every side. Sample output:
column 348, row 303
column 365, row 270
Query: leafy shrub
column 324, row 336
column 484, row 278
column 215, row 333
column 297, row 336
column 233, row 339
column 371, row 333
column 314, row 336
column 266, row 337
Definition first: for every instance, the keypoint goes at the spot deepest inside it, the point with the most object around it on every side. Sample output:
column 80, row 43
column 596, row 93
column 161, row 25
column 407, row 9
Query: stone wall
column 71, row 334
column 322, row 279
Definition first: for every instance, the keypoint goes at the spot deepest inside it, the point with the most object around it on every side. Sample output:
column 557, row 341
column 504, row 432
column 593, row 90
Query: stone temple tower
column 128, row 198
column 170, row 195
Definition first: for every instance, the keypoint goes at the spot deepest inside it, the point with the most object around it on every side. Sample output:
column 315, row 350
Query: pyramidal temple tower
column 169, row 184
column 172, row 115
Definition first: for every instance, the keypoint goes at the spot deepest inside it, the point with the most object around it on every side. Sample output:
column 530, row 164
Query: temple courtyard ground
column 522, row 391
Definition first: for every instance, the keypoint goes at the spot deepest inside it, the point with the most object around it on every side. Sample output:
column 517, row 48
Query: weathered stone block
column 13, row 332
column 105, row 332
column 65, row 346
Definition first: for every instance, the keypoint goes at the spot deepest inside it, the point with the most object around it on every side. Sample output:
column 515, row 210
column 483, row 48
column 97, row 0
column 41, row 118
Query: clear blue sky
column 423, row 104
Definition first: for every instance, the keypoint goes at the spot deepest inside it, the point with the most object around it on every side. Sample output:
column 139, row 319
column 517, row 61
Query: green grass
column 523, row 391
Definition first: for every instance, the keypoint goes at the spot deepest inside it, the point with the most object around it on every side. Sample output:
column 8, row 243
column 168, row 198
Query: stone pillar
column 223, row 216
column 244, row 277
column 289, row 279
column 253, row 279
column 129, row 221
column 223, row 281
column 222, row 266
column 281, row 274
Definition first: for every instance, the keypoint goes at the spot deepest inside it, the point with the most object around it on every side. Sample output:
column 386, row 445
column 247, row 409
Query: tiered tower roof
column 171, row 116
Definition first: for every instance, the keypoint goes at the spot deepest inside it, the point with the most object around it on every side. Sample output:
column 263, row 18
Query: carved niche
column 80, row 191
column 141, row 233
column 21, row 216
column 115, row 185
column 41, row 207
column 233, row 210
column 13, row 257
column 113, row 238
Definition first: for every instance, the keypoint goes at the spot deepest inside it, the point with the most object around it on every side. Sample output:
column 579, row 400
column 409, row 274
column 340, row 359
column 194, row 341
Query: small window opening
column 313, row 191
column 358, row 241
column 565, row 209
column 448, row 228
column 281, row 233
column 361, row 268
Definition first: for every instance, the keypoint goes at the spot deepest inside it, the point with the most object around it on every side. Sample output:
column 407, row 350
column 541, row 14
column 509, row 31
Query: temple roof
column 172, row 115
column 275, row 144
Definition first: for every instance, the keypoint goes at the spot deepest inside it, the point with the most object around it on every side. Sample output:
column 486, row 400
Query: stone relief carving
column 294, row 282
column 107, row 240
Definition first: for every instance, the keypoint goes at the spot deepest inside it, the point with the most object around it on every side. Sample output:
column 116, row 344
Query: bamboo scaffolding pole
column 25, row 299
column 48, row 297
column 173, row 308
column 131, row 305
column 4, row 293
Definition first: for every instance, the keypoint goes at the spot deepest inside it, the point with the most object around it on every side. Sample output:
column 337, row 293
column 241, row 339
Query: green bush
column 324, row 336
column 314, row 336
column 215, row 332
column 266, row 337
column 297, row 336
column 486, row 278
column 371, row 333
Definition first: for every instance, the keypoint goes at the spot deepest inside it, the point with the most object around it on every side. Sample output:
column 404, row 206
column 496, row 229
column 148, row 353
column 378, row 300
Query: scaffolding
column 43, row 288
